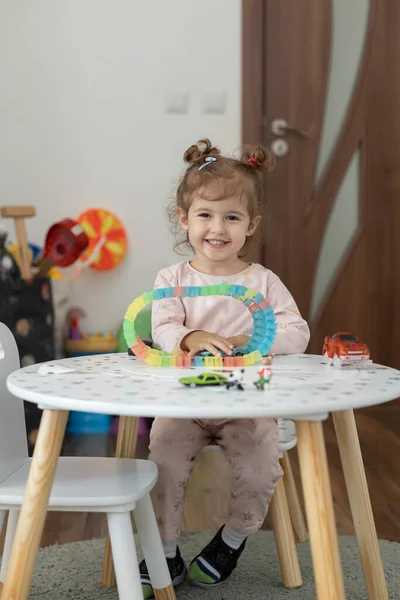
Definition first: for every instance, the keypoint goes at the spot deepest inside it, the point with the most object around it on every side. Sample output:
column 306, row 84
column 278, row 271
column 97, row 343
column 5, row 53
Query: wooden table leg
column 360, row 504
column 292, row 495
column 34, row 508
column 284, row 537
column 319, row 509
column 126, row 448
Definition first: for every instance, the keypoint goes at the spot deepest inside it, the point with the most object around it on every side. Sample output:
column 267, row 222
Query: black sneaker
column 177, row 570
column 215, row 562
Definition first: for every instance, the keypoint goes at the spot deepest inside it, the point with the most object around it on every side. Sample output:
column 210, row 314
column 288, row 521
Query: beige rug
column 73, row 571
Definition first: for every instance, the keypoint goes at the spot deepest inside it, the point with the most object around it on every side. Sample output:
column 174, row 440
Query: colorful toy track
column 259, row 344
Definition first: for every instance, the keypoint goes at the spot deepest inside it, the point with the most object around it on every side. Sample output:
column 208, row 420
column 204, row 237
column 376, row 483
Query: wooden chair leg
column 126, row 448
column 360, row 504
column 12, row 523
column 319, row 510
column 286, row 546
column 34, row 508
column 296, row 513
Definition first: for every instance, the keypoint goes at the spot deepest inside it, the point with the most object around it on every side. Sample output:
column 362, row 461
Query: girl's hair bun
column 258, row 157
column 199, row 152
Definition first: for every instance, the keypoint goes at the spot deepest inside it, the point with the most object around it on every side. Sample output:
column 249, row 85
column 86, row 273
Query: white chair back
column 13, row 440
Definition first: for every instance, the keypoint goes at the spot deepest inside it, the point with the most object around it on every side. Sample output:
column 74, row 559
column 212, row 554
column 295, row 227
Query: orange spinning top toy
column 107, row 240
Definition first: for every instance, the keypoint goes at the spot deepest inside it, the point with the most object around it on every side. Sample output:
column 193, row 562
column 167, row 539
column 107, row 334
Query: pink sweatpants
column 249, row 445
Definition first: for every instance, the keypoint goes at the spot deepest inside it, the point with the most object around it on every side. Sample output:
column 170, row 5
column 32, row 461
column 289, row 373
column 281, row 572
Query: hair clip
column 209, row 159
column 253, row 162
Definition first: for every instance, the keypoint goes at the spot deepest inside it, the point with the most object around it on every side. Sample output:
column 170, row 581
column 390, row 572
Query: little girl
column 218, row 206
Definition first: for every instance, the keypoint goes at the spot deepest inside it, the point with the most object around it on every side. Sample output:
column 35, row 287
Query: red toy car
column 345, row 349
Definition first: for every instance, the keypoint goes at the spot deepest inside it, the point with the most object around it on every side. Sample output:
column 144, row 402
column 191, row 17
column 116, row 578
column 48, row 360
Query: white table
column 303, row 388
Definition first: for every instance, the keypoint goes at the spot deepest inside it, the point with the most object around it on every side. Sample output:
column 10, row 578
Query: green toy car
column 203, row 379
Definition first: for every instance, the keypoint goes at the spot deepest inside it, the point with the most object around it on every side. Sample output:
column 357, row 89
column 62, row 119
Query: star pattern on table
column 344, row 393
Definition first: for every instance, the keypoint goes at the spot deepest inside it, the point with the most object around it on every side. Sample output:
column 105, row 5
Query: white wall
column 83, row 122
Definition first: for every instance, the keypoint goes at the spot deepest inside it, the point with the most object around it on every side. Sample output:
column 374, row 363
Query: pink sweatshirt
column 174, row 318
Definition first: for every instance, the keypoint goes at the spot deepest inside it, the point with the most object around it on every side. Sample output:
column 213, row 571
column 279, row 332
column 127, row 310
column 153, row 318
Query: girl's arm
column 293, row 333
column 168, row 318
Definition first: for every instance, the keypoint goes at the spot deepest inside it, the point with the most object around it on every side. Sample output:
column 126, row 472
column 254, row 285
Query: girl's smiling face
column 217, row 229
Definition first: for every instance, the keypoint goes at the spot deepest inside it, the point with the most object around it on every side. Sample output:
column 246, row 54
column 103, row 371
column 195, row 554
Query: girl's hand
column 238, row 341
column 201, row 340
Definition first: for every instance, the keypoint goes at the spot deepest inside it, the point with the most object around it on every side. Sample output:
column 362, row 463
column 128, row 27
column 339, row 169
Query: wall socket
column 214, row 103
column 176, row 101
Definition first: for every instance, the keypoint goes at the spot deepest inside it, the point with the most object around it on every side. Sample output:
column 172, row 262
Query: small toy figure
column 265, row 373
column 235, row 379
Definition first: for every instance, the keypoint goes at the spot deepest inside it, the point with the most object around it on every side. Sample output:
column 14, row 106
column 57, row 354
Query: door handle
column 281, row 127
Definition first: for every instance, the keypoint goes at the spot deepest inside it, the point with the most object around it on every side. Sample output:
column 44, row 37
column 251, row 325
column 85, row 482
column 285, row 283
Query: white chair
column 285, row 510
column 113, row 486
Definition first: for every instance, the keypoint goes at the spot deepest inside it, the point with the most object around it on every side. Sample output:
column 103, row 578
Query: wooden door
column 334, row 198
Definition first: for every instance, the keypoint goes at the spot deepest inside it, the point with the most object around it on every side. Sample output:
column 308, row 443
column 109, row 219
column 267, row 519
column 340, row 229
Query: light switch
column 214, row 102
column 176, row 101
